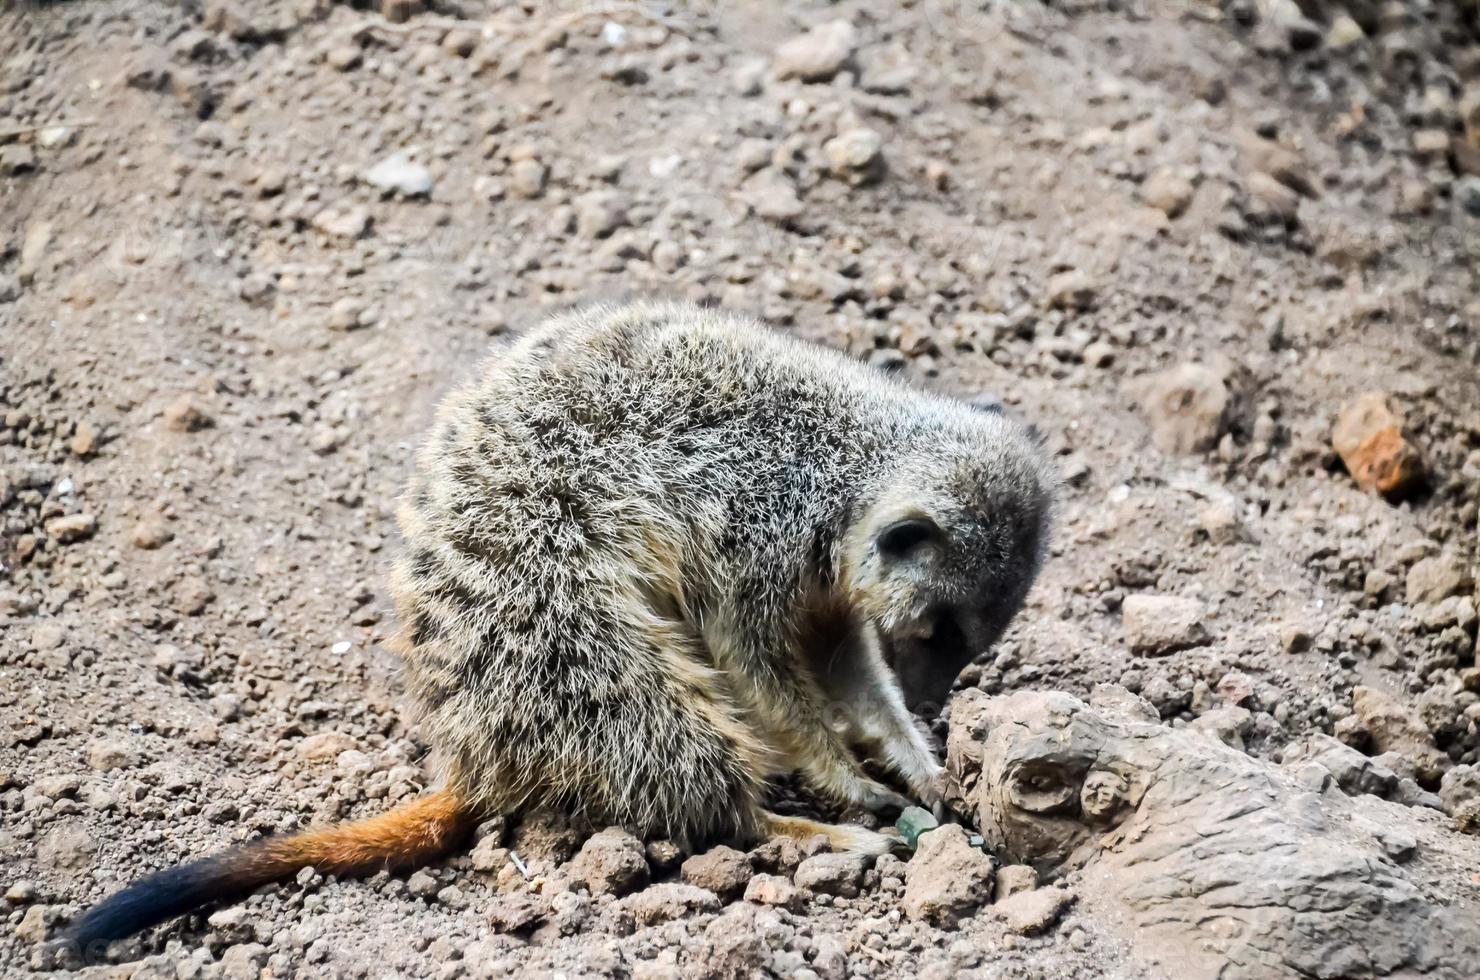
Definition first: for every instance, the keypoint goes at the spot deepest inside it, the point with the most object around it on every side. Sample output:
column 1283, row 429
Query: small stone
column 668, row 901
column 1295, row 638
column 518, row 912
column 460, row 43
column 1395, row 729
column 346, row 313
column 34, row 249
column 1013, row 879
column 55, row 137
column 17, row 159
column 1167, row 191
column 325, row 745
column 1467, row 192
column 772, row 197
column 347, row 223
column 1437, row 578
column 345, row 57
column 1219, row 520
column 243, row 961
column 1029, row 913
column 663, row 855
column 71, row 528
column 947, row 879
column 399, row 173
column 151, row 532
column 423, row 884
column 1431, row 145
column 489, row 855
column 21, row 892
column 66, row 847
column 611, row 862
column 599, row 213
column 778, row 855
column 1159, row 624
column 1343, row 32
column 839, row 874
column 1369, row 439
column 527, row 177
column 817, row 55
column 721, row 870
column 184, row 415
column 913, row 822
column 769, row 889
column 1072, row 290
column 106, row 755
column 85, row 439
column 856, row 156
column 1185, row 407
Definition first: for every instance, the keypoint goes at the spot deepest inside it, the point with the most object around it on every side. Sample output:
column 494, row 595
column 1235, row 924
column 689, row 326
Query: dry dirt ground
column 244, row 247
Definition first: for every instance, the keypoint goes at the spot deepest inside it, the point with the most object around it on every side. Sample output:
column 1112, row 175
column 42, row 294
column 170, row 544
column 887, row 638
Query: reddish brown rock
column 1369, row 439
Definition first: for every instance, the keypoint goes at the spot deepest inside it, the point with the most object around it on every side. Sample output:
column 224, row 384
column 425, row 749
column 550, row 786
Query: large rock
column 1195, row 847
column 947, row 879
column 1186, row 407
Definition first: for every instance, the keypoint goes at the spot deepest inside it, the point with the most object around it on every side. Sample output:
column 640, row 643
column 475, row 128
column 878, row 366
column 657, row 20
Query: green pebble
column 913, row 822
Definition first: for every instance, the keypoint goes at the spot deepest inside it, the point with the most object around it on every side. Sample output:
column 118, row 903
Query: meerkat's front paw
column 875, row 797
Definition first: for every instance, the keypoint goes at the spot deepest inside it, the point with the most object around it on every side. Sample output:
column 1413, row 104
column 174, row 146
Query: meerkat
column 655, row 555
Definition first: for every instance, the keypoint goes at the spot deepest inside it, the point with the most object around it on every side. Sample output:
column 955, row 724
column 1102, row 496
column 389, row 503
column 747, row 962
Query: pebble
column 105, row 755
column 1072, row 290
column 1368, row 437
column 611, row 862
column 1012, row 879
column 151, row 532
column 838, row 874
column 1031, row 912
column 721, row 870
column 71, row 528
column 599, row 213
column 1160, row 624
column 527, row 177
column 1168, row 191
column 817, row 55
column 185, row 415
column 345, row 223
column 1394, row 729
column 669, row 900
column 1436, row 578
column 856, row 156
column 769, row 889
column 1186, row 407
column 399, row 173
column 947, row 879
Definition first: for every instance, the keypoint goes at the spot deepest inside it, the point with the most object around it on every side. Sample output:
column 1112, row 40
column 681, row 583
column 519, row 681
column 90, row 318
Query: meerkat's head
column 941, row 558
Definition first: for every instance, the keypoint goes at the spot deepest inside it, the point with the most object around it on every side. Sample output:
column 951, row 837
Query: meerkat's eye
column 901, row 538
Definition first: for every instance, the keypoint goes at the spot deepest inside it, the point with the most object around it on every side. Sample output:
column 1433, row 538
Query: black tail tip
column 147, row 902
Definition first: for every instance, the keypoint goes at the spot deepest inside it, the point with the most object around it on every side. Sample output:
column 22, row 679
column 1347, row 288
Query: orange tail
column 409, row 835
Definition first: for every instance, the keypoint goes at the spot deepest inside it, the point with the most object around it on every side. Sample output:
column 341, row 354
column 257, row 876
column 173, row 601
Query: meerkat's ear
column 902, row 538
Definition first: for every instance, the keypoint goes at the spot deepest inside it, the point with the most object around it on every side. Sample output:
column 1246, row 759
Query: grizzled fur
column 655, row 554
